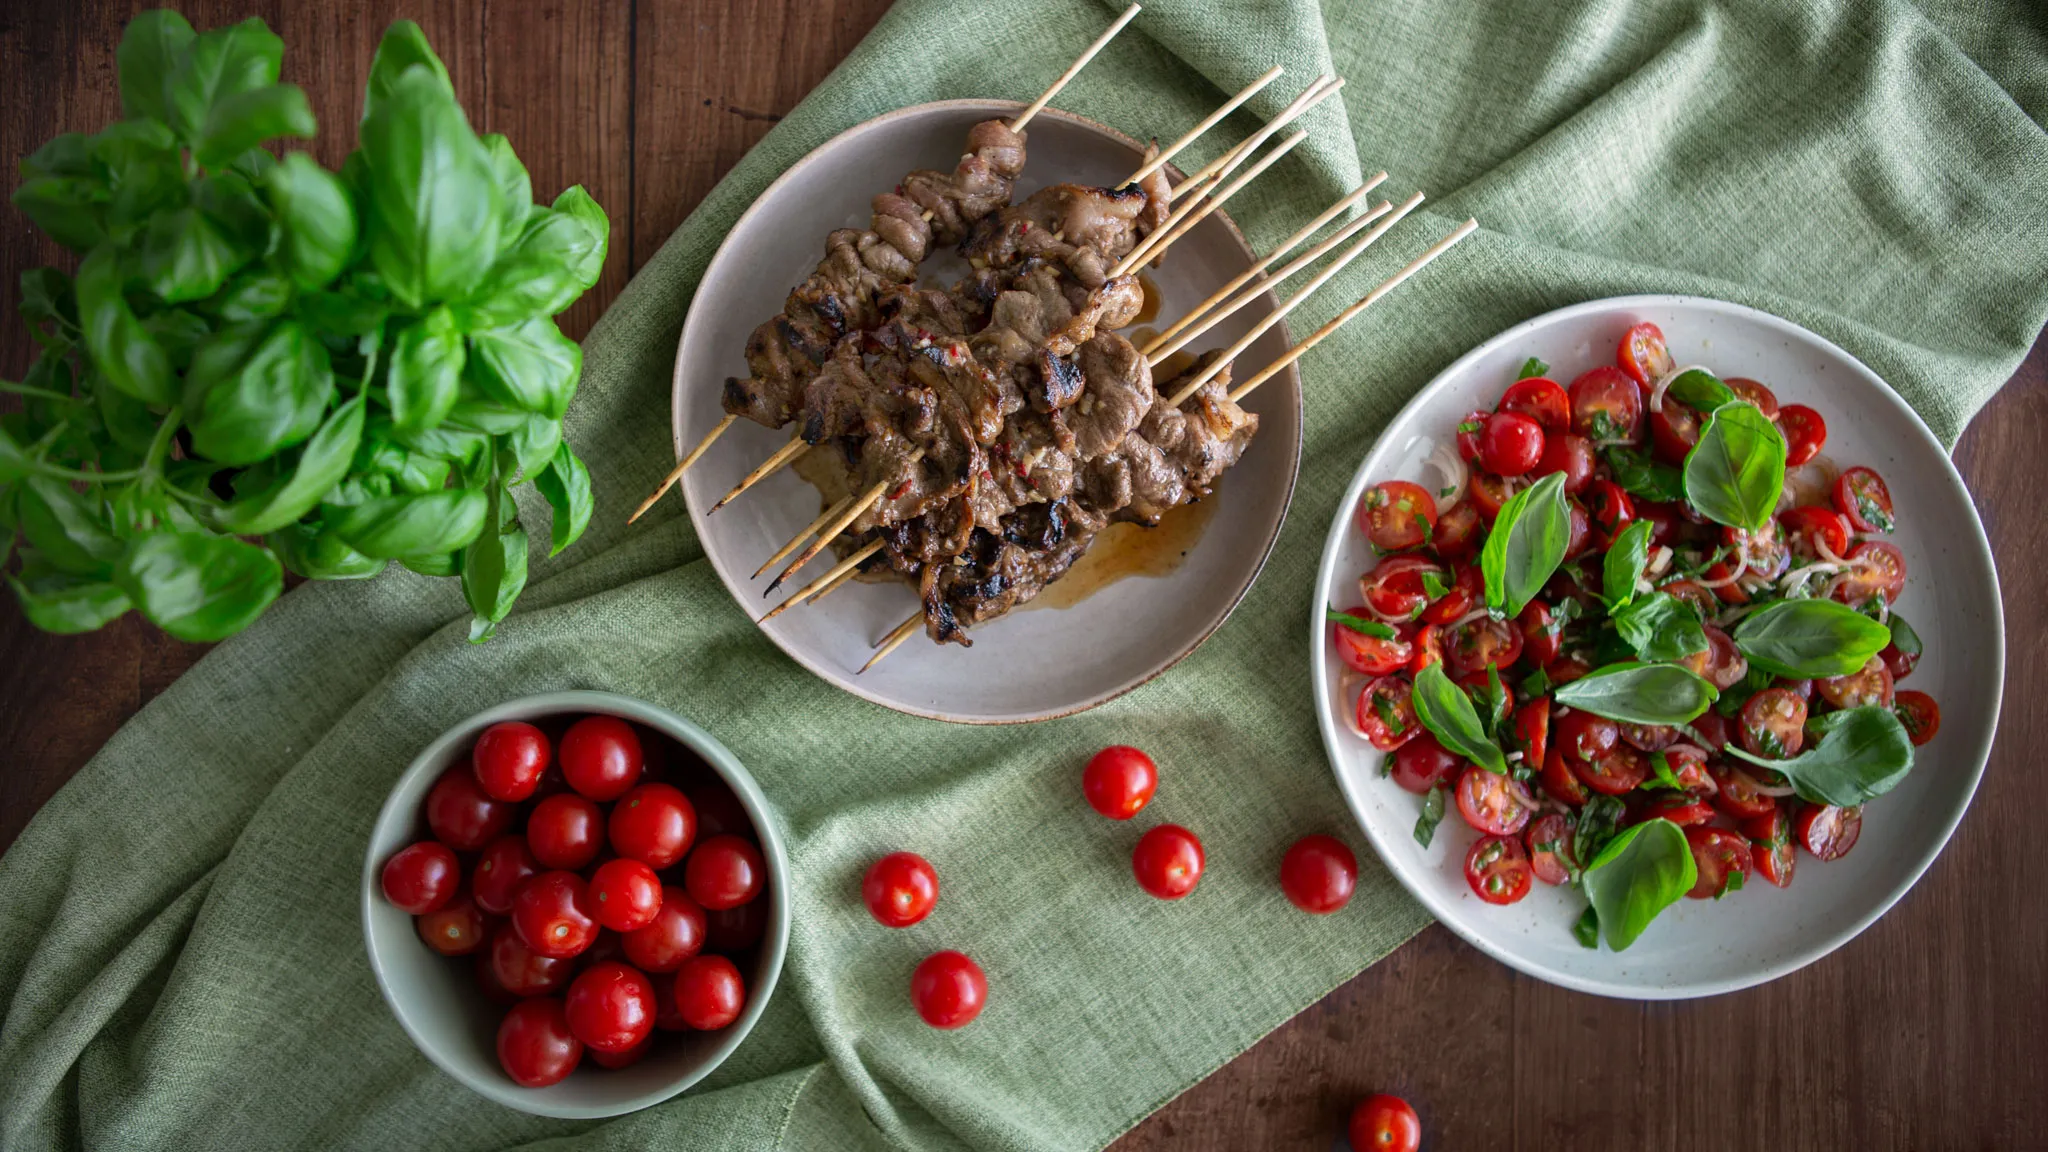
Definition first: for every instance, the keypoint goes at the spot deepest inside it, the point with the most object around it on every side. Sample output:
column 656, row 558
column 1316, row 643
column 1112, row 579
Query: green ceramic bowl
column 437, row 1000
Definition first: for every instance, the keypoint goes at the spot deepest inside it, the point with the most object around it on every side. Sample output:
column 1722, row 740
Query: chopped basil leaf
column 1432, row 815
column 1660, row 626
column 1736, row 472
column 1433, row 585
column 1700, row 390
column 1535, row 684
column 1446, row 492
column 1732, row 882
column 1640, row 693
column 1810, row 639
column 1625, row 562
column 1586, row 929
column 1863, row 753
column 1661, row 775
column 1636, row 876
column 1447, row 712
column 1470, row 426
column 1639, row 475
column 1385, row 710
column 1903, row 637
column 1596, row 825
column 1526, row 545
column 1360, row 624
column 1532, row 367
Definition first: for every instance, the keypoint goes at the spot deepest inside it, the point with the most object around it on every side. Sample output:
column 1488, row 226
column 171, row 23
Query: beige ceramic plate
column 1040, row 662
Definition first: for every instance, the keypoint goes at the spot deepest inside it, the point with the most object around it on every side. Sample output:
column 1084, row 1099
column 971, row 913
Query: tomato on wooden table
column 1644, row 355
column 1737, row 794
column 1719, row 856
column 654, row 824
column 456, row 928
column 1919, row 713
column 901, row 888
column 1756, row 393
column 1397, row 515
column 504, row 865
column 565, row 831
column 1863, row 499
column 1364, row 652
column 1774, row 723
column 1498, row 869
column 509, row 759
column 1615, row 772
column 724, row 872
column 1168, row 861
column 1810, row 529
column 554, row 916
column 1828, row 832
column 535, row 1045
column 1422, row 764
column 1550, row 849
column 1540, row 399
column 1475, row 645
column 462, row 815
column 1467, row 591
column 1386, row 712
column 1395, row 587
column 625, row 894
column 1770, row 845
column 676, row 934
column 948, row 989
column 1607, row 407
column 522, row 971
column 1806, row 433
column 1318, row 874
column 421, row 878
column 1876, row 568
column 611, row 1006
column 1492, row 802
column 1510, row 444
column 1868, row 685
column 1384, row 1124
column 601, row 757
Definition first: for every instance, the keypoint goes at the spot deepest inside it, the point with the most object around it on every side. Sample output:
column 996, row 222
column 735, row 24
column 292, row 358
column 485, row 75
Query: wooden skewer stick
column 1324, row 88
column 1307, row 290
column 843, row 568
column 842, row 581
column 1230, row 307
column 1279, row 250
column 826, row 534
column 1073, row 70
column 894, row 639
column 1368, row 300
column 783, row 455
column 1208, row 122
column 1196, row 211
column 681, row 467
column 810, row 529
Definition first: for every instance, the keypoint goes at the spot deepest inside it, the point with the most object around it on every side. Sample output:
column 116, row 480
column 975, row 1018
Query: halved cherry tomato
column 1721, row 664
column 1876, row 568
column 1467, row 592
column 1371, row 655
column 1423, row 763
column 1558, row 779
column 1530, row 732
column 1386, row 712
column 1571, row 454
column 1756, row 393
column 1607, row 407
column 1738, row 797
column 1475, row 644
column 1396, row 515
column 1716, row 852
column 1689, row 764
column 1870, row 684
column 1468, row 433
column 1488, row 492
column 1584, row 736
column 1498, row 869
column 1919, row 713
column 1395, row 588
column 1492, row 802
column 1828, row 832
column 1614, row 773
column 1810, row 529
column 1566, row 669
column 1649, row 737
column 1429, row 647
column 1806, row 433
column 1678, row 807
column 1581, row 537
column 1457, row 531
column 1609, row 510
column 1511, row 444
column 1861, row 496
column 1774, row 724
column 1674, row 429
column 1701, row 599
column 1540, row 399
column 1644, row 355
column 1712, row 731
column 1550, row 849
column 1770, row 845
column 1542, row 635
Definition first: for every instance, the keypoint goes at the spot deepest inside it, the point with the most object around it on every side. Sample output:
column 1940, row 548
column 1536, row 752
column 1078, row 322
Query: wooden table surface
column 1928, row 1031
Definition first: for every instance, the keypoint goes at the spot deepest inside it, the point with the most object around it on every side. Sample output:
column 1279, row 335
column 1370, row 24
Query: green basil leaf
column 515, row 187
column 253, row 166
column 1863, row 753
column 532, row 448
column 1736, row 473
column 566, row 485
column 197, row 587
column 258, row 293
column 540, row 273
column 426, row 371
column 346, row 312
column 319, row 219
column 463, row 448
column 1699, row 389
column 146, row 172
column 1661, row 627
column 1904, row 638
column 232, row 203
column 1640, row 693
column 219, row 64
column 65, row 604
column 1448, row 713
column 274, row 398
column 1625, row 562
column 437, row 564
column 1532, row 367
column 123, row 351
column 67, row 527
column 315, row 552
column 292, row 491
column 68, row 154
column 474, row 414
column 1810, row 639
column 1661, row 775
column 185, row 257
column 529, row 365
column 394, row 526
column 1586, row 929
column 71, row 210
column 1597, row 823
column 403, row 47
column 1536, row 683
column 434, row 211
column 46, row 298
column 1360, row 624
column 246, row 119
column 1526, row 544
column 1640, row 475
column 1432, row 815
column 587, row 261
column 1636, row 876
column 493, row 569
column 152, row 48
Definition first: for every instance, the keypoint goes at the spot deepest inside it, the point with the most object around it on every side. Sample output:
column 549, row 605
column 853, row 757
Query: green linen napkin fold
column 180, row 962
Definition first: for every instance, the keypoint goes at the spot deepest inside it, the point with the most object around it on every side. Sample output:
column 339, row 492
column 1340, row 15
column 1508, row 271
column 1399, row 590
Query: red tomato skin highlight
column 948, row 989
column 1119, row 781
column 611, row 1007
column 900, row 889
column 724, row 872
column 601, row 757
column 677, row 933
column 1318, row 874
column 535, row 1046
column 509, row 759
column 710, row 994
column 654, row 824
column 1168, row 861
column 421, row 878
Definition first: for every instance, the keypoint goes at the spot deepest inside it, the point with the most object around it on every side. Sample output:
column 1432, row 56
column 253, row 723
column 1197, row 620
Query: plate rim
column 1326, row 721
column 836, row 678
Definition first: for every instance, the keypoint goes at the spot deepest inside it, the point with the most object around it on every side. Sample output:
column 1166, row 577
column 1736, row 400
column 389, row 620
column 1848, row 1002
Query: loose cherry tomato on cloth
column 504, row 865
column 1737, row 797
column 1370, row 655
column 611, row 1007
column 1774, row 723
column 1770, row 846
column 1422, row 764
column 1457, row 531
column 1540, row 399
column 509, row 759
column 554, row 916
column 948, row 989
column 1474, row 645
column 1615, row 772
column 1397, row 515
column 1487, row 492
column 456, row 928
column 625, row 894
column 1493, row 803
column 1569, row 453
column 522, row 971
column 1395, row 586
column 900, row 888
column 601, row 757
column 724, row 872
column 1806, row 433
column 1168, row 861
column 1609, row 509
column 1498, row 869
column 1919, row 713
column 461, row 815
column 565, row 831
column 1511, row 444
column 1807, row 530
column 709, row 992
column 1717, row 855
column 421, row 878
column 676, row 934
column 1644, row 355
column 1870, row 684
column 654, row 824
column 1876, row 569
column 1607, row 407
column 1120, row 780
column 1530, row 732
column 1386, row 712
column 1384, row 1124
column 1862, row 498
column 1584, row 736
column 1318, row 874
column 1744, row 388
column 1828, row 832
column 1467, row 591
column 535, row 1046
column 1558, row 779
column 1674, row 430
column 626, row 1059
column 1468, row 433
column 1550, row 849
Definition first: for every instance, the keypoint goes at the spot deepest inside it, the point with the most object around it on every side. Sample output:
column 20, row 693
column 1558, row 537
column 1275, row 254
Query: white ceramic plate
column 1703, row 947
column 1021, row 667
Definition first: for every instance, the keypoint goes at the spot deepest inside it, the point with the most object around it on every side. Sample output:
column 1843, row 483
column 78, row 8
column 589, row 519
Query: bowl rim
column 1972, row 534
column 838, row 678
column 394, row 822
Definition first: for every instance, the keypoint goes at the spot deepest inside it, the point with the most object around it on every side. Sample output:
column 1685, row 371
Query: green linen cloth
column 180, row 961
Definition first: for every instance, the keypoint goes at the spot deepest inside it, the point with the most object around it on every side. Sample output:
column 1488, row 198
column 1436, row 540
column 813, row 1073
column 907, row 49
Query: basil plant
column 263, row 365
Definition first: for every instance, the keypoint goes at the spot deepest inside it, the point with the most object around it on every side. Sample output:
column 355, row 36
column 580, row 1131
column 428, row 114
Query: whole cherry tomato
column 1770, row 846
column 625, row 894
column 461, row 815
column 724, row 872
column 1119, row 781
column 1396, row 515
column 719, row 811
column 1674, row 429
column 1498, row 869
column 1529, row 734
column 601, row 757
column 626, row 1059
column 1168, row 861
column 676, row 934
column 565, row 831
column 554, row 916
column 1566, row 452
column 709, row 992
column 1609, row 509
column 522, row 971
column 535, row 1046
column 1644, row 355
column 421, row 878
column 1457, row 528
column 1511, row 444
column 948, row 989
column 1468, row 433
column 504, row 865
column 509, row 759
column 1919, row 713
column 654, row 824
column 1318, row 874
column 1384, row 1124
column 611, row 1007
column 1736, row 794
column 456, row 928
column 900, row 888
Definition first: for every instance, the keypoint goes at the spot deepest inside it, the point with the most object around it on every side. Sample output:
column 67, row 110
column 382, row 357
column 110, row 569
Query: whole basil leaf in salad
column 1636, row 876
column 1639, row 693
column 1449, row 715
column 1810, row 639
column 1625, row 562
column 1736, row 473
column 1526, row 544
column 1863, row 753
column 1641, row 475
column 1699, row 389
column 1661, row 627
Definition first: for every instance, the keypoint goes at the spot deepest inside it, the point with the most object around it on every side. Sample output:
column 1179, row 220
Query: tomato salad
column 1640, row 635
